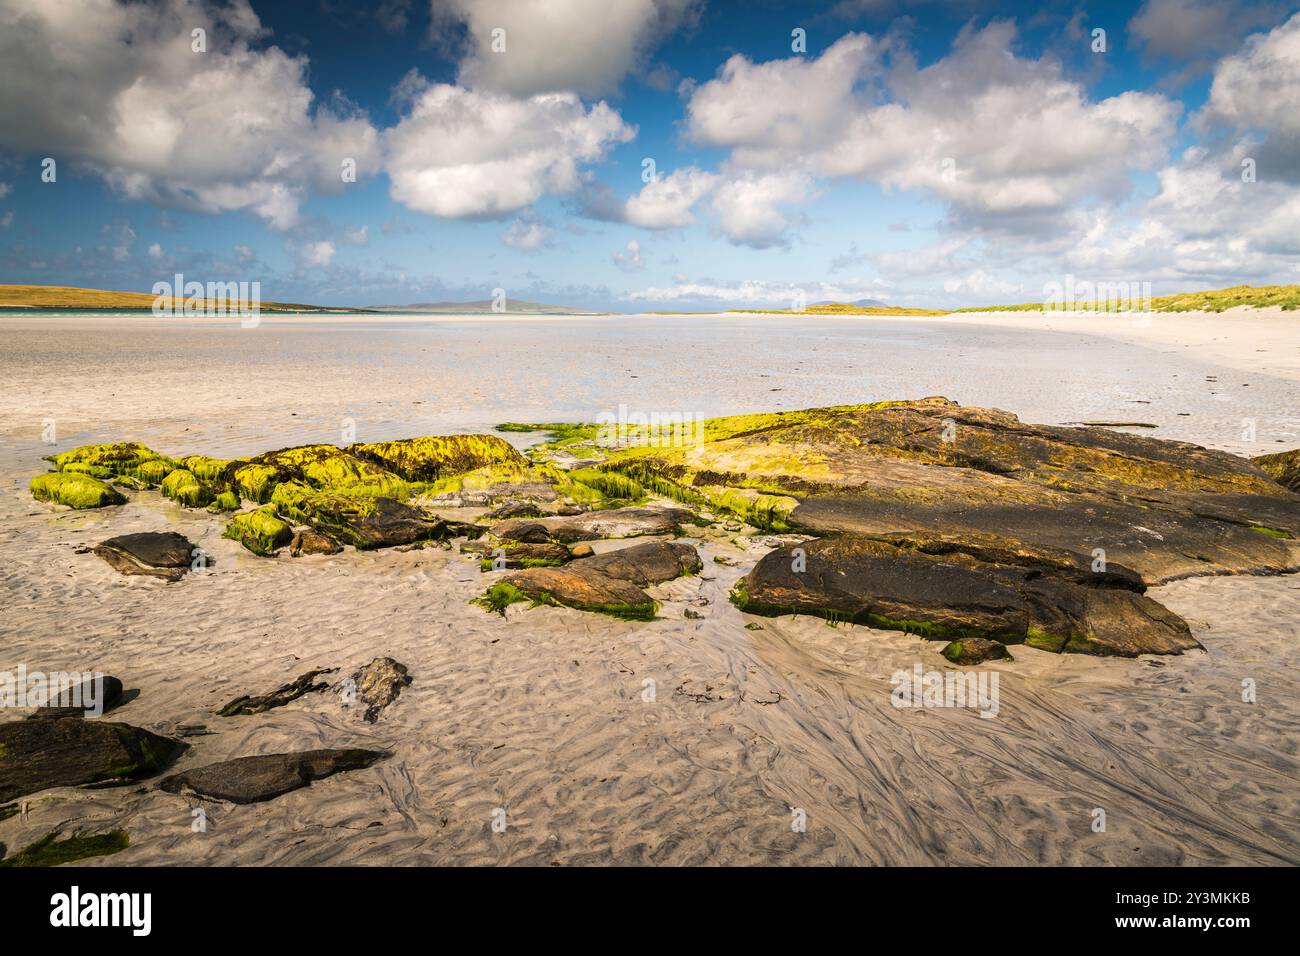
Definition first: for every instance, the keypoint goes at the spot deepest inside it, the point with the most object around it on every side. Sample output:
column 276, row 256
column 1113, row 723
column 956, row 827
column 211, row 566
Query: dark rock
column 159, row 554
column 520, row 555
column 585, row 590
column 306, row 684
column 592, row 525
column 74, row 701
column 263, row 777
column 955, row 596
column 308, row 541
column 975, row 650
column 51, row 851
column 378, row 684
column 38, row 754
column 652, row 562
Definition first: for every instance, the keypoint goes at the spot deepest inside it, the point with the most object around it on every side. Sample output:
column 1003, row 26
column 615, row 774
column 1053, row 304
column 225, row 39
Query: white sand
column 541, row 713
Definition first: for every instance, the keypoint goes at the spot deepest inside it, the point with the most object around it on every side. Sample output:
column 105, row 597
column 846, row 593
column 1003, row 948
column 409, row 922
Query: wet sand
column 543, row 712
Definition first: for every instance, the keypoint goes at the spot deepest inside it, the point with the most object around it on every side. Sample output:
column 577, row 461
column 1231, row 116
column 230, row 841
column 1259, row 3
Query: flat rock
column 956, row 596
column 514, row 509
column 266, row 776
column 87, row 699
column 651, row 562
column 593, row 525
column 158, row 554
column 306, row 684
column 515, row 554
column 584, row 589
column 38, row 754
column 378, row 684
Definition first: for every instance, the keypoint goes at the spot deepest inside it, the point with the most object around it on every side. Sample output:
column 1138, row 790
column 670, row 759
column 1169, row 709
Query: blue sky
column 918, row 153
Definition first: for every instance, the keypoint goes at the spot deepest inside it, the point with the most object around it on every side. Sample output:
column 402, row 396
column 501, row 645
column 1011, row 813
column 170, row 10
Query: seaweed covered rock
column 1163, row 509
column 1283, row 467
column 114, row 460
column 159, row 554
column 956, row 596
column 592, row 525
column 259, row 531
column 49, row 850
column 360, row 521
column 515, row 554
column 211, row 470
column 266, row 776
column 975, row 650
column 184, row 488
column 75, row 490
column 38, row 754
column 570, row 586
column 225, row 501
column 308, row 541
column 432, row 457
column 651, row 562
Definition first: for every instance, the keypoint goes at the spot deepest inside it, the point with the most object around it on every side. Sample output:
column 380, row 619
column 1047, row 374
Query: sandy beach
column 543, row 713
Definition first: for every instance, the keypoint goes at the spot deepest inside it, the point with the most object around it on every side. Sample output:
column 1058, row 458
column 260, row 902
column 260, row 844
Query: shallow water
column 543, row 713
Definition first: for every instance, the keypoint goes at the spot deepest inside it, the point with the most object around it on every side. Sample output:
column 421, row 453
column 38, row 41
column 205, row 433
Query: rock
column 581, row 550
column 158, row 554
column 957, row 596
column 259, row 531
column 1283, row 467
column 38, row 754
column 931, row 467
column 378, row 684
column 109, row 461
column 312, row 542
column 184, row 488
column 513, row 554
column 592, row 525
column 278, row 697
column 266, row 776
column 584, row 590
column 50, row 851
column 87, row 699
column 652, row 562
column 514, row 509
column 431, row 458
column 975, row 650
column 692, row 615
column 225, row 501
column 75, row 490
column 361, row 522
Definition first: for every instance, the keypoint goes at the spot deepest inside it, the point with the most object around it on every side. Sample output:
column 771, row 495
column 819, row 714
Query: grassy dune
column 69, row 297
column 1213, row 300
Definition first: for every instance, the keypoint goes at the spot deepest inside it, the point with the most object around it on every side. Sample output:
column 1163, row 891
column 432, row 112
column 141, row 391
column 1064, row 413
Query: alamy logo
column 24, row 688
column 179, row 297
column 923, row 688
column 650, row 429
column 103, row 909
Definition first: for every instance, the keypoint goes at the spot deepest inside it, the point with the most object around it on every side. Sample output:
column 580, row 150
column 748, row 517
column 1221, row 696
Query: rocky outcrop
column 592, row 525
column 266, row 776
column 38, row 754
column 378, row 684
column 75, row 490
column 184, row 488
column 306, row 684
column 1283, row 467
column 652, row 562
column 955, row 596
column 433, row 457
column 259, row 531
column 158, row 554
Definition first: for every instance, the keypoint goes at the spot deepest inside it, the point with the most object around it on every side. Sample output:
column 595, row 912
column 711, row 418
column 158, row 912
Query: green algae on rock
column 184, row 488
column 975, row 650
column 211, row 470
column 1283, row 467
column 259, row 531
column 110, row 460
column 70, row 752
column 225, row 501
column 51, row 851
column 74, row 489
column 429, row 458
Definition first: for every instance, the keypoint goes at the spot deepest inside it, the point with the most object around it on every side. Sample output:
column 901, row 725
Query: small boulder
column 75, row 490
column 582, row 550
column 158, row 554
column 592, row 525
column 378, row 684
column 514, row 509
column 652, row 562
column 308, row 541
column 225, row 501
column 259, row 531
column 266, row 776
column 184, row 488
column 38, row 754
column 513, row 554
column 975, row 650
column 581, row 589
column 87, row 699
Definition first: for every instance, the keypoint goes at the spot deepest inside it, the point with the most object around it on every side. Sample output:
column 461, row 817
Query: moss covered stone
column 225, row 501
column 259, row 531
column 108, row 461
column 432, row 457
column 184, row 488
column 210, row 470
column 75, row 490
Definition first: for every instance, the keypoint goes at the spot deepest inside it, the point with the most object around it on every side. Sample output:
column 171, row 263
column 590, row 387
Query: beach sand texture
column 542, row 713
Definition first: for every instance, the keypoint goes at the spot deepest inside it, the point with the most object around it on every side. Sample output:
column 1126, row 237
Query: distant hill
column 859, row 304
column 484, row 306
column 70, row 297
